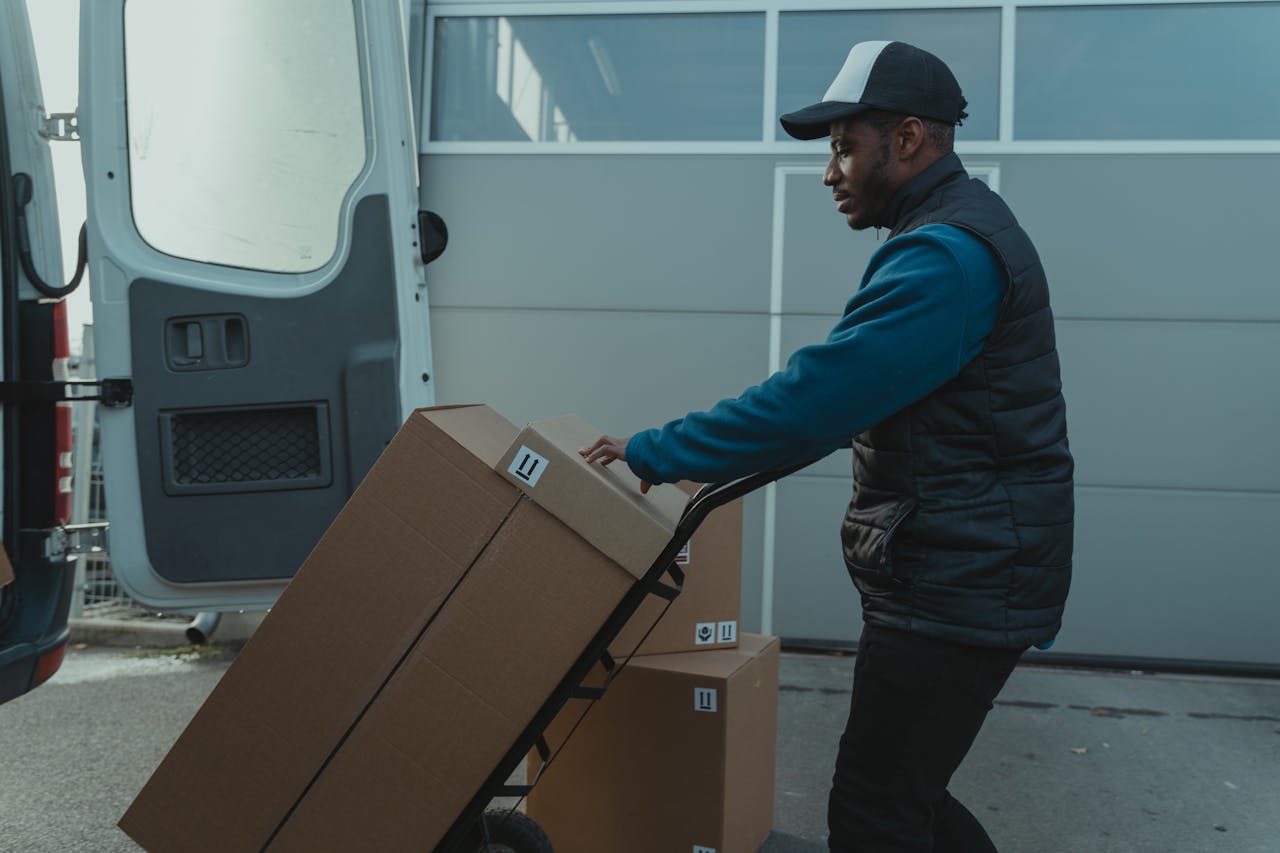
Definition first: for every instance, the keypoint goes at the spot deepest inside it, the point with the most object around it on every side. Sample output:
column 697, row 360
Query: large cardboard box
column 705, row 616
column 6, row 568
column 678, row 756
column 423, row 633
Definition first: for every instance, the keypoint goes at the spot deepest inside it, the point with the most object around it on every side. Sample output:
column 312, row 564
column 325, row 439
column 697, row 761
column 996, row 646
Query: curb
column 129, row 632
column 233, row 630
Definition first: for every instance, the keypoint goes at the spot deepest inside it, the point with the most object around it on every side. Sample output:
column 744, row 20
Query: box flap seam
column 390, row 674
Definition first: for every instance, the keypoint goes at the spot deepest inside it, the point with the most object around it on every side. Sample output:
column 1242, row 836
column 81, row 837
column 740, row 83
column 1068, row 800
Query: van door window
column 229, row 163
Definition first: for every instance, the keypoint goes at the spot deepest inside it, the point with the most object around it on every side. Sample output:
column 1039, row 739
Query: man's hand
column 605, row 450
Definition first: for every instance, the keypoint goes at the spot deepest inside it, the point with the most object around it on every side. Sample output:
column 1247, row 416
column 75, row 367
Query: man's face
column 859, row 173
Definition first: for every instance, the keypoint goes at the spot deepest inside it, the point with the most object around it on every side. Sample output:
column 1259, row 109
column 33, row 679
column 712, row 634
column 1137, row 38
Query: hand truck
column 481, row 830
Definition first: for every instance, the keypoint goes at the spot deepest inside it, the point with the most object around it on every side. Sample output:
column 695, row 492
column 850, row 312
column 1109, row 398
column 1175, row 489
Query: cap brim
column 814, row 122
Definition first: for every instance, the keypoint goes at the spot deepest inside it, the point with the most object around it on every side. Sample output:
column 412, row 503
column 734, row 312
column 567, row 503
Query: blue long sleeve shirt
column 924, row 308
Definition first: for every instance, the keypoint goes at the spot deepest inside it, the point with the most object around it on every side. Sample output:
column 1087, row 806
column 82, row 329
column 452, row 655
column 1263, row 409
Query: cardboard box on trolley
column 679, row 755
column 416, row 643
column 6, row 568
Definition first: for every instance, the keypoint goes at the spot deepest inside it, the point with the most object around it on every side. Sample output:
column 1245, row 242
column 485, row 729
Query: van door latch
column 113, row 393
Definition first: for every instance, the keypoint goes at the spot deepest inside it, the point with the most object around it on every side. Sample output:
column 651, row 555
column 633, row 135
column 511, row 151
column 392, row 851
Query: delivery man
column 943, row 374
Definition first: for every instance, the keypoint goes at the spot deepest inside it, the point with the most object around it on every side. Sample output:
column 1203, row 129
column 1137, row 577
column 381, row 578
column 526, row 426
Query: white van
column 256, row 255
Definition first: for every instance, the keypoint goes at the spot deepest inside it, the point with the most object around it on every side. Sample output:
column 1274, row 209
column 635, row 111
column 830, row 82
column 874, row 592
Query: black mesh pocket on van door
column 251, row 449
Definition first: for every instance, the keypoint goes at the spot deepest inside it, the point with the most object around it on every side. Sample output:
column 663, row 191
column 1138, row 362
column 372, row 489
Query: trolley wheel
column 513, row 832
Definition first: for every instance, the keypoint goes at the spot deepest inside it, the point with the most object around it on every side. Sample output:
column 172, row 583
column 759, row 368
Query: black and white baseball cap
column 886, row 75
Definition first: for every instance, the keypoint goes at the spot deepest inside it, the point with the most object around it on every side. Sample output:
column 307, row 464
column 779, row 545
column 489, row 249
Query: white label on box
column 704, row 633
column 704, row 699
column 528, row 466
column 682, row 559
column 727, row 632
column 698, row 848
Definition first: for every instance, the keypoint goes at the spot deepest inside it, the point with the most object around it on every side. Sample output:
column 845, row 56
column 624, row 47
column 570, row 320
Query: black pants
column 917, row 706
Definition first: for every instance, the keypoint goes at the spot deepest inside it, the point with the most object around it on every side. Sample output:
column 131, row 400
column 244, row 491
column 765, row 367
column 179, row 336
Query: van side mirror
column 433, row 235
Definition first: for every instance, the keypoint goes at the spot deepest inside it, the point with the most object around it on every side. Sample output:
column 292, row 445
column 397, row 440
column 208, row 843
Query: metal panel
column 813, row 597
column 822, row 260
column 1173, row 405
column 1174, row 574
column 1161, row 574
column 622, row 371
column 643, row 232
column 1174, row 236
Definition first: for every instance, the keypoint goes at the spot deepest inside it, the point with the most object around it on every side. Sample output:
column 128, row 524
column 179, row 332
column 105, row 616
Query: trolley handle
column 715, row 495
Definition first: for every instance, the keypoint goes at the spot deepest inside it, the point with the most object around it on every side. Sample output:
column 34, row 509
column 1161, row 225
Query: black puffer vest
column 961, row 522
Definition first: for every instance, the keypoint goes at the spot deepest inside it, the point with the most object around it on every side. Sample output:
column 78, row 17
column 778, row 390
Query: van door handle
column 186, row 343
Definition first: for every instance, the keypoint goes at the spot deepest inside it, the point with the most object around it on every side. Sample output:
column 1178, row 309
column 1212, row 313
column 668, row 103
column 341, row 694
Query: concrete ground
column 1072, row 760
column 1069, row 762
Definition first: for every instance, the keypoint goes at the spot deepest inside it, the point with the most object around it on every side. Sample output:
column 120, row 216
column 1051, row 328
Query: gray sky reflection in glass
column 599, row 78
column 1148, row 72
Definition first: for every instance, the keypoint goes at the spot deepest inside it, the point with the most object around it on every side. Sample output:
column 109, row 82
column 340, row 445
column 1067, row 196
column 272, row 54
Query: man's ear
column 908, row 138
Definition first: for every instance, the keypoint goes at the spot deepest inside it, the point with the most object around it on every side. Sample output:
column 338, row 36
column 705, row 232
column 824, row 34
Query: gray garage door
column 621, row 252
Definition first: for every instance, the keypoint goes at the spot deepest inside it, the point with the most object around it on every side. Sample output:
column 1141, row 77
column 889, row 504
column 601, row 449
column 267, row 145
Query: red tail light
column 64, row 438
column 48, row 664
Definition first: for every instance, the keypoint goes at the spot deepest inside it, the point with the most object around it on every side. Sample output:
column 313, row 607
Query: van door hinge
column 113, row 393
column 60, row 127
column 77, row 540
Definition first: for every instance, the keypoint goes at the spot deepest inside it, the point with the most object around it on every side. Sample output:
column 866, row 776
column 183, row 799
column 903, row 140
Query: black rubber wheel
column 514, row 832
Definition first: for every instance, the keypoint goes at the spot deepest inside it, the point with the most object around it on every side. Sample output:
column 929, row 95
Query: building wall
column 631, row 281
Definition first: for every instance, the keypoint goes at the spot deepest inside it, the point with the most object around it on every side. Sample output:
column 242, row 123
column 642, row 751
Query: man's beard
column 877, row 192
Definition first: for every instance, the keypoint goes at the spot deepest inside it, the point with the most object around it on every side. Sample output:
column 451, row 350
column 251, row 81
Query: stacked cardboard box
column 679, row 753
column 678, row 756
column 705, row 615
column 437, row 615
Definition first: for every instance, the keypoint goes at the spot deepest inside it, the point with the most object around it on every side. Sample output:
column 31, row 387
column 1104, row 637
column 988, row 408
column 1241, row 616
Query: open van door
column 256, row 278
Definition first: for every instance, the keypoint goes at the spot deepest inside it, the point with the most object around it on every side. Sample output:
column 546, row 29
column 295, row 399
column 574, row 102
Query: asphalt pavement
column 1069, row 761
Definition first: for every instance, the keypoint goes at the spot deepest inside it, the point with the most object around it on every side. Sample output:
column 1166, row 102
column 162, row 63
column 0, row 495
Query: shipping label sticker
column 528, row 466
column 704, row 699
column 682, row 559
column 698, row 848
column 727, row 632
column 704, row 633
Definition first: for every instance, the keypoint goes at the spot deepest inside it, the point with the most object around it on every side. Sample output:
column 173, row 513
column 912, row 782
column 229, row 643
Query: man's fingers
column 599, row 443
column 605, row 450
column 604, row 454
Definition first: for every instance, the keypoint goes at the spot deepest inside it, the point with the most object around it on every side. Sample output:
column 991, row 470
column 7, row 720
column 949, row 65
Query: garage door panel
column 1164, row 236
column 813, row 597
column 602, row 232
column 1172, row 405
column 1158, row 574
column 1174, row 574
column 621, row 371
column 822, row 259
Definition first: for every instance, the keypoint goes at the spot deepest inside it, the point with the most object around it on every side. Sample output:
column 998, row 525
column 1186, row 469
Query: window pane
column 605, row 77
column 813, row 46
column 1148, row 72
column 246, row 128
